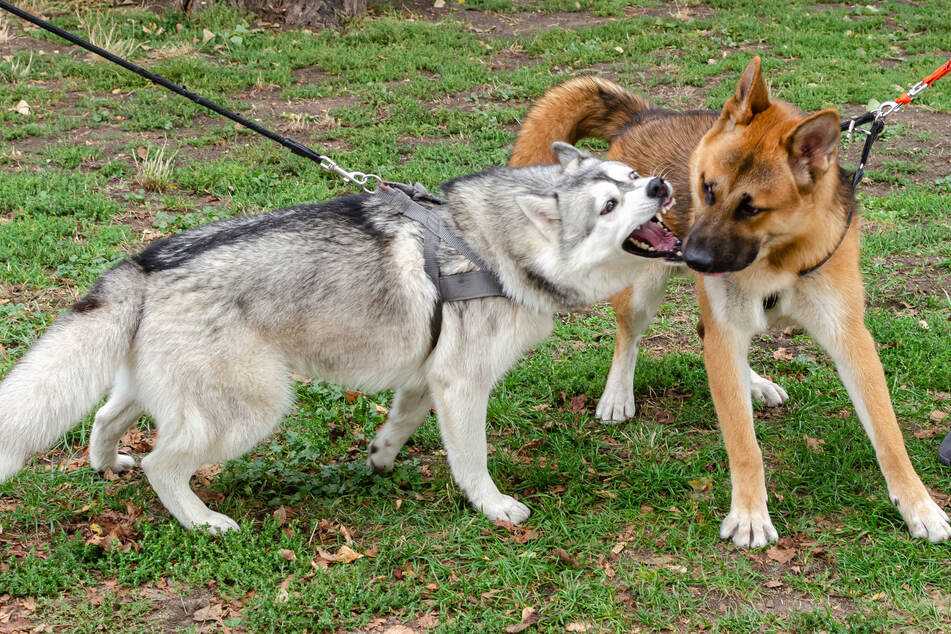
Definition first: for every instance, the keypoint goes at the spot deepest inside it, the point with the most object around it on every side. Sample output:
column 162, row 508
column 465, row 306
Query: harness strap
column 449, row 288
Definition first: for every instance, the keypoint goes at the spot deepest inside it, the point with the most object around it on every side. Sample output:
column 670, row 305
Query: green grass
column 419, row 100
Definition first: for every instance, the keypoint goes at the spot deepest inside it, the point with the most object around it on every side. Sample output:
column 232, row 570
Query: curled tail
column 69, row 368
column 579, row 108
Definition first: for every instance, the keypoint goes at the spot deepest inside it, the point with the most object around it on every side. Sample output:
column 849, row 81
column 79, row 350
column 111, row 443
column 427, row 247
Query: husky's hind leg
column 409, row 410
column 112, row 420
column 181, row 449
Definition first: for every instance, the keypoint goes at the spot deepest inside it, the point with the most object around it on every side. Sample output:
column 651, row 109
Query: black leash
column 297, row 148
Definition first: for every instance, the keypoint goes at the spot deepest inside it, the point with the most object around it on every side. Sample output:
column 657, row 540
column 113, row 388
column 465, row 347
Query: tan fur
column 767, row 153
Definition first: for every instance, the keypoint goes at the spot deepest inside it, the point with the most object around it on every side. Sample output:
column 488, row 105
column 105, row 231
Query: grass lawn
column 94, row 163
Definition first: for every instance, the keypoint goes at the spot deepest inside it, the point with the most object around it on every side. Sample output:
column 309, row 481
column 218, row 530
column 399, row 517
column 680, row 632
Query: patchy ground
column 623, row 536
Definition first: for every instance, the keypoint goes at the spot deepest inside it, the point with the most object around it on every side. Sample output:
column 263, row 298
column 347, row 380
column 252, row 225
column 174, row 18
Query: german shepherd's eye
column 708, row 196
column 746, row 209
column 609, row 206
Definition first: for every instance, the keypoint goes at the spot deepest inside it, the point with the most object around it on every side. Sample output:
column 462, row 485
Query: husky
column 203, row 330
column 767, row 217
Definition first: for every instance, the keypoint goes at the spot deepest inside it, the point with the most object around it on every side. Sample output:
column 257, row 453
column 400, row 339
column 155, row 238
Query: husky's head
column 600, row 210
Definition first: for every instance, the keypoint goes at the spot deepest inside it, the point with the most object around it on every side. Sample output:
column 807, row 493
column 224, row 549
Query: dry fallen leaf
column 288, row 555
column 783, row 354
column 206, row 36
column 22, row 108
column 428, row 621
column 563, row 555
column 774, row 583
column 780, row 554
column 577, row 627
column 579, row 403
column 212, row 612
column 814, row 444
column 344, row 555
column 439, row 4
column 937, row 416
column 281, row 596
column 529, row 618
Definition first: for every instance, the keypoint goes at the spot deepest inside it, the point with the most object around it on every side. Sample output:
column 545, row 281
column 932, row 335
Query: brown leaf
column 211, row 612
column 579, row 403
column 701, row 485
column 22, row 108
column 352, row 395
column 774, row 583
column 344, row 555
column 529, row 618
column 288, row 555
column 618, row 547
column 815, row 444
column 937, row 416
column 280, row 514
column 930, row 432
column 142, row 153
column 577, row 627
column 783, row 354
column 281, row 596
column 780, row 554
column 566, row 558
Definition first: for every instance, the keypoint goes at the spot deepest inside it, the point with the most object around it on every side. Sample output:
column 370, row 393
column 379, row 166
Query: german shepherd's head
column 763, row 179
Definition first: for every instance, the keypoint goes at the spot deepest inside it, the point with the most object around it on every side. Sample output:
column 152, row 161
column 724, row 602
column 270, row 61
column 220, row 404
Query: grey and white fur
column 203, row 330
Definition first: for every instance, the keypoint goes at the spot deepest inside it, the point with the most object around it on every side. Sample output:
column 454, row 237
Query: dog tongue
column 656, row 236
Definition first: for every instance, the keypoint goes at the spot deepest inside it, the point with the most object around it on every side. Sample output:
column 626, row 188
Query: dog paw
column 766, row 391
column 381, row 458
column 926, row 520
column 214, row 523
column 748, row 528
column 616, row 404
column 504, row 507
column 123, row 462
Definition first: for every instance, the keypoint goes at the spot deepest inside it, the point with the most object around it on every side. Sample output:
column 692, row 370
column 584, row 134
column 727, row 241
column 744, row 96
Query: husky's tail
column 579, row 108
column 69, row 368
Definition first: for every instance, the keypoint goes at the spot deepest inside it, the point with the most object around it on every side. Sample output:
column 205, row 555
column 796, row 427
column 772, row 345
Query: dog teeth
column 640, row 244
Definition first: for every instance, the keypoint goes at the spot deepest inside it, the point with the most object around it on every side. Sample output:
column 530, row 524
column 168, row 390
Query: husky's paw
column 748, row 528
column 504, row 507
column 214, row 523
column 10, row 464
column 766, row 391
column 616, row 404
column 381, row 457
column 926, row 520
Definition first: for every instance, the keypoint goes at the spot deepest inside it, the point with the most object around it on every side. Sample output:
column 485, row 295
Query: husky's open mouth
column 654, row 239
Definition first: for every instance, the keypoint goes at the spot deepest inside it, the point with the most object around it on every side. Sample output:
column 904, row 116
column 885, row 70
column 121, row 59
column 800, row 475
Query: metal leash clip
column 357, row 178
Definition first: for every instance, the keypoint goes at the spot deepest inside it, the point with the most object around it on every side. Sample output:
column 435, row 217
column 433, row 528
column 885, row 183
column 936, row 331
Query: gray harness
column 483, row 282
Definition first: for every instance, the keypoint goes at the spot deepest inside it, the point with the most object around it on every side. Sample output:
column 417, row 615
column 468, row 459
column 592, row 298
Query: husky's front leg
column 841, row 331
column 725, row 350
column 461, row 408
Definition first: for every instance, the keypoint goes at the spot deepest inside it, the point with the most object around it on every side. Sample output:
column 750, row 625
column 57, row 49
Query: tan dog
column 767, row 215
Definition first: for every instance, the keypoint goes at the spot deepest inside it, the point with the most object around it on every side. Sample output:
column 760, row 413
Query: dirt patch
column 39, row 300
column 500, row 24
column 920, row 277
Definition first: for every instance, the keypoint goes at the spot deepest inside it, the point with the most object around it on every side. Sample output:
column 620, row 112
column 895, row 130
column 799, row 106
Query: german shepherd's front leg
column 725, row 349
column 844, row 336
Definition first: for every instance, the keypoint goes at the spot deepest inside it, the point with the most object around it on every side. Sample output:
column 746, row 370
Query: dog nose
column 699, row 259
column 658, row 188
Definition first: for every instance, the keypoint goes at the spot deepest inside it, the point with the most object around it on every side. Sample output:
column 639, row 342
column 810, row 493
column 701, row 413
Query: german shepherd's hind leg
column 409, row 410
column 634, row 308
column 725, row 350
column 112, row 420
column 853, row 350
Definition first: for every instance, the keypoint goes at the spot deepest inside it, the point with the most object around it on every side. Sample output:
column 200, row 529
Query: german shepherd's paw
column 748, row 528
column 925, row 519
column 616, row 403
column 503, row 507
column 762, row 389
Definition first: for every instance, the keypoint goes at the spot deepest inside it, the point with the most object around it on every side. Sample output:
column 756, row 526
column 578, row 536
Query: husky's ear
column 812, row 145
column 568, row 155
column 542, row 211
column 751, row 98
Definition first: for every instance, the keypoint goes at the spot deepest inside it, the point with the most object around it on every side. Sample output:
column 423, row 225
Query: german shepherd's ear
column 812, row 144
column 751, row 98
column 568, row 155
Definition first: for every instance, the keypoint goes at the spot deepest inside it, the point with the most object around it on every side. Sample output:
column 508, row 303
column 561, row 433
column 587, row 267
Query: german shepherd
column 768, row 230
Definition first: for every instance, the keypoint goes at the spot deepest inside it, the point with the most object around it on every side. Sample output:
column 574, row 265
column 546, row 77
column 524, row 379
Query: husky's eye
column 609, row 206
column 708, row 196
column 746, row 209
column 633, row 176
